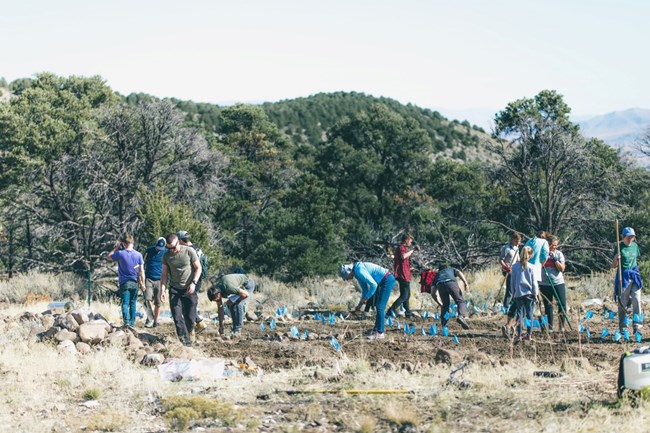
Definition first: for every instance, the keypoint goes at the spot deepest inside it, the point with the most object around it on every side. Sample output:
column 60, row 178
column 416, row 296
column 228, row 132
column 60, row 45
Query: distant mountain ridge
column 618, row 128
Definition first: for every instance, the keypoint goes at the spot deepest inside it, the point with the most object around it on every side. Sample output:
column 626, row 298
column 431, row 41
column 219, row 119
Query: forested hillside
column 291, row 189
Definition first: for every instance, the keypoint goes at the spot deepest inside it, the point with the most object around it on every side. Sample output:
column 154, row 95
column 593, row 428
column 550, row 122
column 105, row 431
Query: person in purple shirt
column 372, row 279
column 130, row 271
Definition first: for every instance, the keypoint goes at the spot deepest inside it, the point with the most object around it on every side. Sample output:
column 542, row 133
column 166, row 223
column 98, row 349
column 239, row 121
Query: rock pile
column 80, row 331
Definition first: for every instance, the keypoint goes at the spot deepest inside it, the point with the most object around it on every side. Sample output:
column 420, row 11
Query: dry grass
column 35, row 286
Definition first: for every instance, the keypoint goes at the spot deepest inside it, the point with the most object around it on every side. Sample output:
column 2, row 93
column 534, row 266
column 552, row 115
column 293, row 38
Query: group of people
column 533, row 274
column 377, row 283
column 176, row 268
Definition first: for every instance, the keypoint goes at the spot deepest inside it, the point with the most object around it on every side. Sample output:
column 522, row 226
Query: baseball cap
column 628, row 231
column 160, row 244
column 183, row 235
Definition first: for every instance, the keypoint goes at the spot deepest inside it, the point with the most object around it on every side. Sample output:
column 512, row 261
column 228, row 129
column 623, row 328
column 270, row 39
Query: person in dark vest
column 152, row 271
column 447, row 287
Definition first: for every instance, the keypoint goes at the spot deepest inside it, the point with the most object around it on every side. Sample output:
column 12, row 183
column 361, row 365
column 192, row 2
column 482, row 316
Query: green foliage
column 160, row 217
column 91, row 394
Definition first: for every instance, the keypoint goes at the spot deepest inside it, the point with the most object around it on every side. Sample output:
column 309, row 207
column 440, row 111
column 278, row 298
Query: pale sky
column 453, row 55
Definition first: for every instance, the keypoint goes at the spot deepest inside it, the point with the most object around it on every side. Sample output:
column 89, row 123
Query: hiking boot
column 505, row 330
column 463, row 323
column 148, row 324
column 200, row 327
column 155, row 324
column 376, row 336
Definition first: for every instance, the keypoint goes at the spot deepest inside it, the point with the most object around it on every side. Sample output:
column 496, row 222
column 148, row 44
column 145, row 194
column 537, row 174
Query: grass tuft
column 91, row 394
column 182, row 411
column 108, row 421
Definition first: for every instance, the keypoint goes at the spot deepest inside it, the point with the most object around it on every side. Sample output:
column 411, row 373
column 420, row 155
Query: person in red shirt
column 402, row 268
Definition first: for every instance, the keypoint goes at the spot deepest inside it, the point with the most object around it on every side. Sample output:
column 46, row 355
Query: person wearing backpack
column 185, row 239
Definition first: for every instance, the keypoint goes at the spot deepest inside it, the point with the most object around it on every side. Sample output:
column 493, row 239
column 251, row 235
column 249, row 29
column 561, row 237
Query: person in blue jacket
column 373, row 280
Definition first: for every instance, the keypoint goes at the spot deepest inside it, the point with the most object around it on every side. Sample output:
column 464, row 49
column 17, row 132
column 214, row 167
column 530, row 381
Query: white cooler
column 634, row 370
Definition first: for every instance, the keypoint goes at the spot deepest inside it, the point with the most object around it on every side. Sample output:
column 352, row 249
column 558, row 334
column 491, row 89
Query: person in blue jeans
column 525, row 290
column 373, row 279
column 130, row 271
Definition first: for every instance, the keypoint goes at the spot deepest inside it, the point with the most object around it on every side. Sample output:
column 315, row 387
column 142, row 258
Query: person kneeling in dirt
column 374, row 280
column 236, row 288
column 446, row 285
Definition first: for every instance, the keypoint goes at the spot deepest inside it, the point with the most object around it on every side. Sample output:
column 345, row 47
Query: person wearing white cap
column 373, row 279
column 152, row 271
column 628, row 283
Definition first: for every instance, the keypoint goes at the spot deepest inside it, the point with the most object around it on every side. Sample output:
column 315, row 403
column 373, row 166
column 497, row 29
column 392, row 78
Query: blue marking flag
column 406, row 328
column 528, row 323
column 617, row 335
column 332, row 319
column 413, row 328
column 485, row 305
column 536, row 324
column 446, row 316
column 389, row 321
column 636, row 318
column 433, row 330
column 262, row 327
column 423, row 331
column 425, row 314
column 588, row 333
column 456, row 340
column 589, row 314
column 341, row 317
column 272, row 324
column 278, row 312
column 335, row 344
column 392, row 313
column 454, row 307
column 435, row 316
column 283, row 310
column 627, row 321
column 638, row 337
column 580, row 327
column 399, row 325
column 544, row 320
column 323, row 318
column 503, row 310
column 305, row 336
column 476, row 309
column 605, row 333
column 612, row 315
column 454, row 313
column 626, row 335
column 606, row 313
column 295, row 332
column 445, row 331
column 316, row 316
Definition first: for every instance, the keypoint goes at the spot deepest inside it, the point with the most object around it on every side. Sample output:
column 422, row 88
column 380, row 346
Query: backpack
column 203, row 259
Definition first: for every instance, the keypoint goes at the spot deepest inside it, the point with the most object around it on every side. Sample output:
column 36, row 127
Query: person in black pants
column 447, row 287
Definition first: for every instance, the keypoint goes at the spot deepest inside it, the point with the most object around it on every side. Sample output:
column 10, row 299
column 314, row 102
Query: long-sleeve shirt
column 369, row 275
column 523, row 281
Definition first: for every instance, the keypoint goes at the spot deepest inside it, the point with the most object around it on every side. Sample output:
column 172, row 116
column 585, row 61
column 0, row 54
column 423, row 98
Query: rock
column 80, row 316
column 98, row 316
column 70, row 323
column 132, row 340
column 47, row 321
column 318, row 375
column 408, row 366
column 83, row 348
column 36, row 329
column 153, row 359
column 250, row 315
column 29, row 317
column 158, row 347
column 387, row 365
column 139, row 356
column 93, row 332
column 67, row 346
column 50, row 333
column 135, row 346
column 117, row 338
column 64, row 335
column 449, row 357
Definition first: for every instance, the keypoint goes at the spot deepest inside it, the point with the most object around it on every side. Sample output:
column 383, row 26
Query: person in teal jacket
column 372, row 279
column 540, row 248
